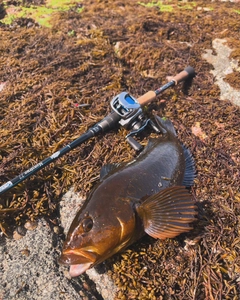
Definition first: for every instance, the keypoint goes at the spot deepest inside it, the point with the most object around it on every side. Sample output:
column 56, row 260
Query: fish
column 148, row 195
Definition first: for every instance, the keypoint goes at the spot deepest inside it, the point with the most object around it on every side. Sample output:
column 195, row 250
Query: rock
column 69, row 205
column 29, row 268
column 16, row 235
column 30, row 225
column 29, row 263
column 223, row 65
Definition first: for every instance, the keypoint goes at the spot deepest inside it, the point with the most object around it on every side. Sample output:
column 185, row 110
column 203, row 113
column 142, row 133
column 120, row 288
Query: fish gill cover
column 89, row 56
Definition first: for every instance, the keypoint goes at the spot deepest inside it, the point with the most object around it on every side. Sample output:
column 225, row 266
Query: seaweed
column 48, row 74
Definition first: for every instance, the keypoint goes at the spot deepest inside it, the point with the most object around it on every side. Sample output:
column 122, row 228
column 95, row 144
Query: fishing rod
column 126, row 110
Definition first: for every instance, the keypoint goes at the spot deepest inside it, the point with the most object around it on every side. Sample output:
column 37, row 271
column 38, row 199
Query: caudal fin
column 168, row 213
column 190, row 171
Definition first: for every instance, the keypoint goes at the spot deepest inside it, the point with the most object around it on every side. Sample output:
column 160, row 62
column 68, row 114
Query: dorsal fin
column 190, row 171
column 165, row 125
column 105, row 170
column 167, row 213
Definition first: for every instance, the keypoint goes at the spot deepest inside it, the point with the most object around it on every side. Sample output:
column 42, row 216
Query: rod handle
column 146, row 98
column 188, row 72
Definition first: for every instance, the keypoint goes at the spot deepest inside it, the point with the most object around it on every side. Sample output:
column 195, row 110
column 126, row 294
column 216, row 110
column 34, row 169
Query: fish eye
column 87, row 224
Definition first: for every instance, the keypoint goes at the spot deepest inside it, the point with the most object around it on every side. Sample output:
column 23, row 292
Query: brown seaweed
column 90, row 57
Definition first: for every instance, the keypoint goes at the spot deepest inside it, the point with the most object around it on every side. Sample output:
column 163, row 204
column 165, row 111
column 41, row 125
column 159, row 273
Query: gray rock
column 29, row 268
column 69, row 205
column 223, row 65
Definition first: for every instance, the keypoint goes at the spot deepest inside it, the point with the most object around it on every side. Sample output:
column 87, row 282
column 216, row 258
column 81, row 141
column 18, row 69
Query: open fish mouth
column 79, row 260
column 76, row 256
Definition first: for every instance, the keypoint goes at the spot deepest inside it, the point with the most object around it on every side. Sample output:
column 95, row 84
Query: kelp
column 49, row 74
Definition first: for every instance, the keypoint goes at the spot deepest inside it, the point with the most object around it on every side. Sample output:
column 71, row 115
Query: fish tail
column 190, row 170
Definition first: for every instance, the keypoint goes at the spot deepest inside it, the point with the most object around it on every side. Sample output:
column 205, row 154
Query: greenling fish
column 146, row 195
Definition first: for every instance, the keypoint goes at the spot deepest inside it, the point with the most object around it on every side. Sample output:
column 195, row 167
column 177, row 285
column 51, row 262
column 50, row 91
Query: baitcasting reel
column 131, row 117
column 127, row 112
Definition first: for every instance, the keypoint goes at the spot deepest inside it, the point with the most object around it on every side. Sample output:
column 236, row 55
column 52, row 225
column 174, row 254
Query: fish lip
column 80, row 260
column 77, row 256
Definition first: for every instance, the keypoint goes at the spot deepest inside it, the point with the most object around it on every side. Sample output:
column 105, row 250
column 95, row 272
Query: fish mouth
column 79, row 260
column 76, row 270
column 77, row 256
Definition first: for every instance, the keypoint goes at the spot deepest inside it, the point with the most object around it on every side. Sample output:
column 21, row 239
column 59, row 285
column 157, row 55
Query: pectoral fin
column 168, row 213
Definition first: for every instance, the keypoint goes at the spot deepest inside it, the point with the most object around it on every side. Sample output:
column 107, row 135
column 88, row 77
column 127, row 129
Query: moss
column 61, row 4
column 159, row 4
column 189, row 5
column 41, row 14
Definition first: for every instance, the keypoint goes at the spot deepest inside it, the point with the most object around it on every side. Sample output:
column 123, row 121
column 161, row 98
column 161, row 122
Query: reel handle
column 126, row 111
column 187, row 73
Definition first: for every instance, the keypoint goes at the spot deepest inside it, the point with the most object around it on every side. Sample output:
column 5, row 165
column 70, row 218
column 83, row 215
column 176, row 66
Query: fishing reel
column 131, row 117
column 126, row 111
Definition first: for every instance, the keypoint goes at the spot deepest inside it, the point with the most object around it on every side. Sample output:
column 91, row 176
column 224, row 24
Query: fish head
column 96, row 233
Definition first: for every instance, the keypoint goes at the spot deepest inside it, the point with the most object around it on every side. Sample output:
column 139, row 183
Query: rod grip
column 146, row 98
column 189, row 72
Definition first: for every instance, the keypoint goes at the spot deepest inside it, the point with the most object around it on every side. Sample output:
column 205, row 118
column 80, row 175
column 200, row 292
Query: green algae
column 61, row 4
column 189, row 5
column 169, row 7
column 162, row 7
column 41, row 14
